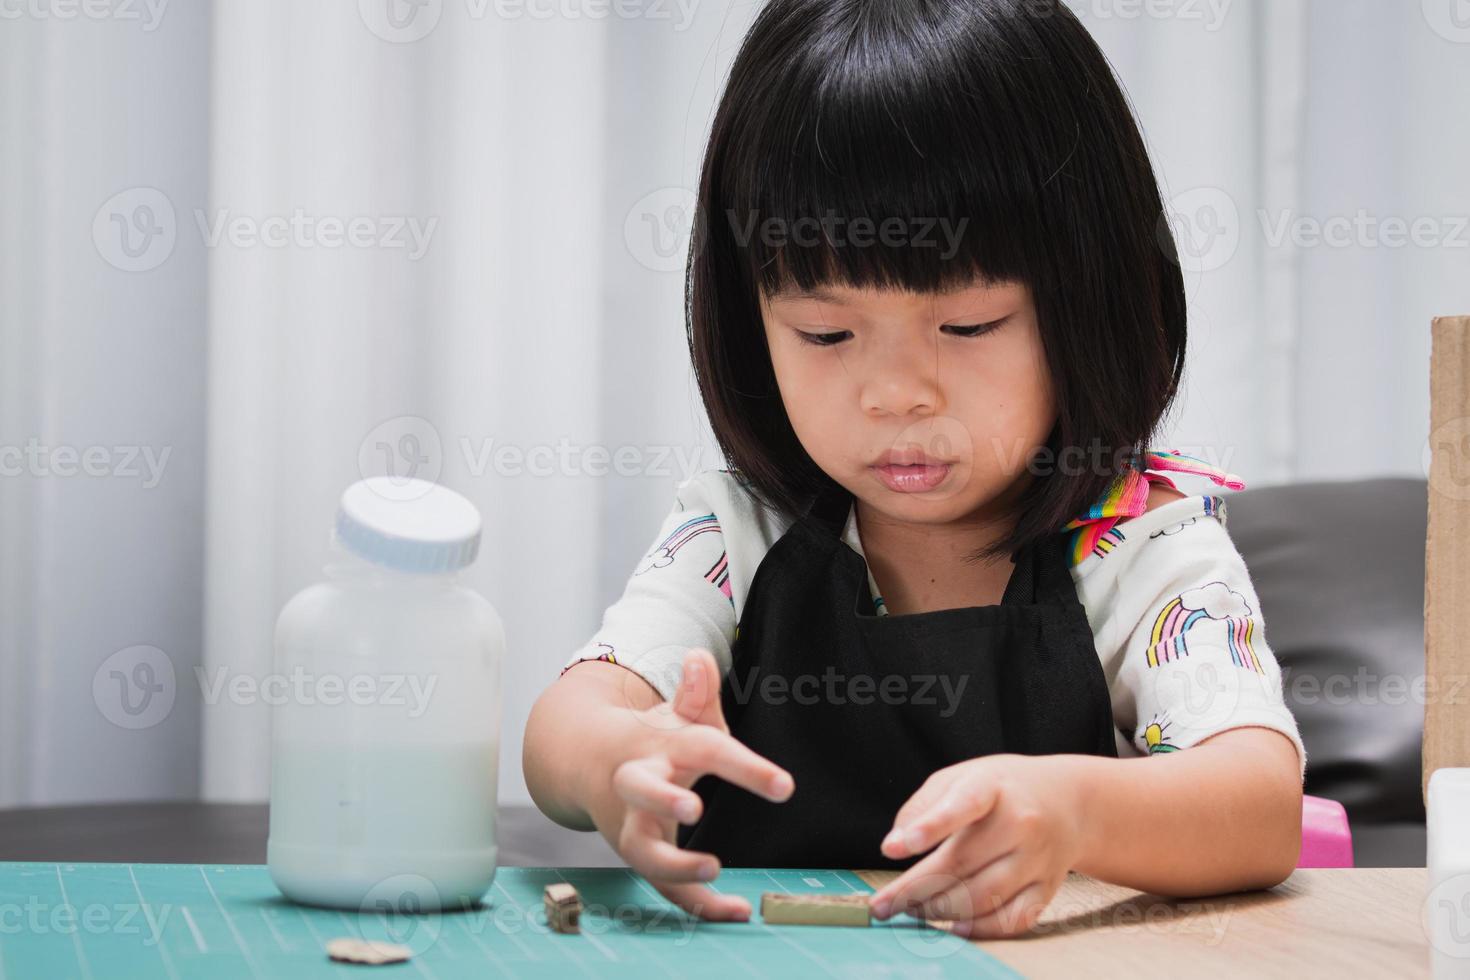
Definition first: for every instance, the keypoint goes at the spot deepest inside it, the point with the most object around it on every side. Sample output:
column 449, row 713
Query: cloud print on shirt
column 1215, row 602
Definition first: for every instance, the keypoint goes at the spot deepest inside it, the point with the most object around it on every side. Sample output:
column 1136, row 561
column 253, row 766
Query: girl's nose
column 901, row 391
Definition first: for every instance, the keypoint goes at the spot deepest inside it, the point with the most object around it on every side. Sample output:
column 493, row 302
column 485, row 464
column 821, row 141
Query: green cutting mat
column 183, row 920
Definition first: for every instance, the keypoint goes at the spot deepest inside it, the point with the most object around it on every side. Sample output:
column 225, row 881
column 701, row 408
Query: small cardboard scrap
column 366, row 951
column 563, row 907
column 778, row 908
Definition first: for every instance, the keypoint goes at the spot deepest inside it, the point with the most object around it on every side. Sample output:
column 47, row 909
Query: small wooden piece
column 366, row 951
column 563, row 907
column 778, row 908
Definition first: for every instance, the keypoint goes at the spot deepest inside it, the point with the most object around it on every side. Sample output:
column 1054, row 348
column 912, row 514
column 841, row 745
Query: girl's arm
column 999, row 833
column 1224, row 815
column 1213, row 802
column 604, row 751
column 577, row 728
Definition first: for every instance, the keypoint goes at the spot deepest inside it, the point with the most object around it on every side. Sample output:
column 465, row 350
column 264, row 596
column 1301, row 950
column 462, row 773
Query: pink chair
column 1327, row 842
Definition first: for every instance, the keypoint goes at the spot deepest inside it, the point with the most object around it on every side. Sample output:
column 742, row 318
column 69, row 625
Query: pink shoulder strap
column 1128, row 497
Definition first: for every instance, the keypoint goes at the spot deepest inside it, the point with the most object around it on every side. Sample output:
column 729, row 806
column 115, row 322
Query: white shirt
column 1175, row 620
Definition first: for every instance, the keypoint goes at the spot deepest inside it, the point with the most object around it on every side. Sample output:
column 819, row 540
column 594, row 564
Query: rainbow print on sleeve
column 1213, row 602
column 663, row 555
column 717, row 575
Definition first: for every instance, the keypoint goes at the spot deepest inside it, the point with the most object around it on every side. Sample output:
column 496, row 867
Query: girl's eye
column 824, row 339
column 972, row 330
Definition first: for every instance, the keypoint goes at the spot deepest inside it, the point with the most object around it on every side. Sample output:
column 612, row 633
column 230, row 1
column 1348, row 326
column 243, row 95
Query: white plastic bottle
column 385, row 731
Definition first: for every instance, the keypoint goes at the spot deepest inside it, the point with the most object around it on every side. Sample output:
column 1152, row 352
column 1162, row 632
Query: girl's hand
column 685, row 740
column 1008, row 829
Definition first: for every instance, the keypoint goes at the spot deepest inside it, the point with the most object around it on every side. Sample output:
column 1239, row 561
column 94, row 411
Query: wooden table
column 1362, row 922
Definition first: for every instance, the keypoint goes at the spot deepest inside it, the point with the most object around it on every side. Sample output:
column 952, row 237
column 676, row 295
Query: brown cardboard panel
column 1447, row 552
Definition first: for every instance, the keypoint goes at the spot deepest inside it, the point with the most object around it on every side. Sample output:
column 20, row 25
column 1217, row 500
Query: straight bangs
column 881, row 170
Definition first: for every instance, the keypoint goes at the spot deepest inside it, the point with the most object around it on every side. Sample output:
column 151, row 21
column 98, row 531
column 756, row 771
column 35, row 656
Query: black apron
column 862, row 708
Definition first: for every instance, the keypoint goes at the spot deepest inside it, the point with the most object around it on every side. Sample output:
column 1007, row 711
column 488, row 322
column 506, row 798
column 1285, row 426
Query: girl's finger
column 697, row 698
column 982, row 893
column 948, row 865
column 1015, row 917
column 967, row 801
column 642, row 843
column 974, row 847
column 647, row 784
column 924, row 797
column 700, row 749
column 700, row 901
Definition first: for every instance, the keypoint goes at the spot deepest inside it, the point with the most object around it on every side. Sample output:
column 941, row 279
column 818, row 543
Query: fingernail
column 691, row 673
column 709, row 871
column 686, row 810
column 962, row 928
column 882, row 909
column 913, row 839
column 894, row 838
column 781, row 786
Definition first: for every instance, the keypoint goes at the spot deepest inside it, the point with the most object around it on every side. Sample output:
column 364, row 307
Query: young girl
column 944, row 611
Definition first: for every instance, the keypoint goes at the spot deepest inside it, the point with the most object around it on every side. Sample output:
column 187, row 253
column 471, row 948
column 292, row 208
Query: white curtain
column 531, row 357
column 1299, row 139
column 445, row 235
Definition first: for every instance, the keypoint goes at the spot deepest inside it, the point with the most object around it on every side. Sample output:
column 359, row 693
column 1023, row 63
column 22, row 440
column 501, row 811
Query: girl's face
column 926, row 407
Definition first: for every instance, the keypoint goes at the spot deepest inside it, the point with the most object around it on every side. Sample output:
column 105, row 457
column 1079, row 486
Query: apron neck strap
column 832, row 506
column 830, row 509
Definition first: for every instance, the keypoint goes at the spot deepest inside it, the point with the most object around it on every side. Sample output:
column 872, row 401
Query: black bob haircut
column 1000, row 117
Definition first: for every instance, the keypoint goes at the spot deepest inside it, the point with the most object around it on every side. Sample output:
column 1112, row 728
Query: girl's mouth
column 912, row 477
